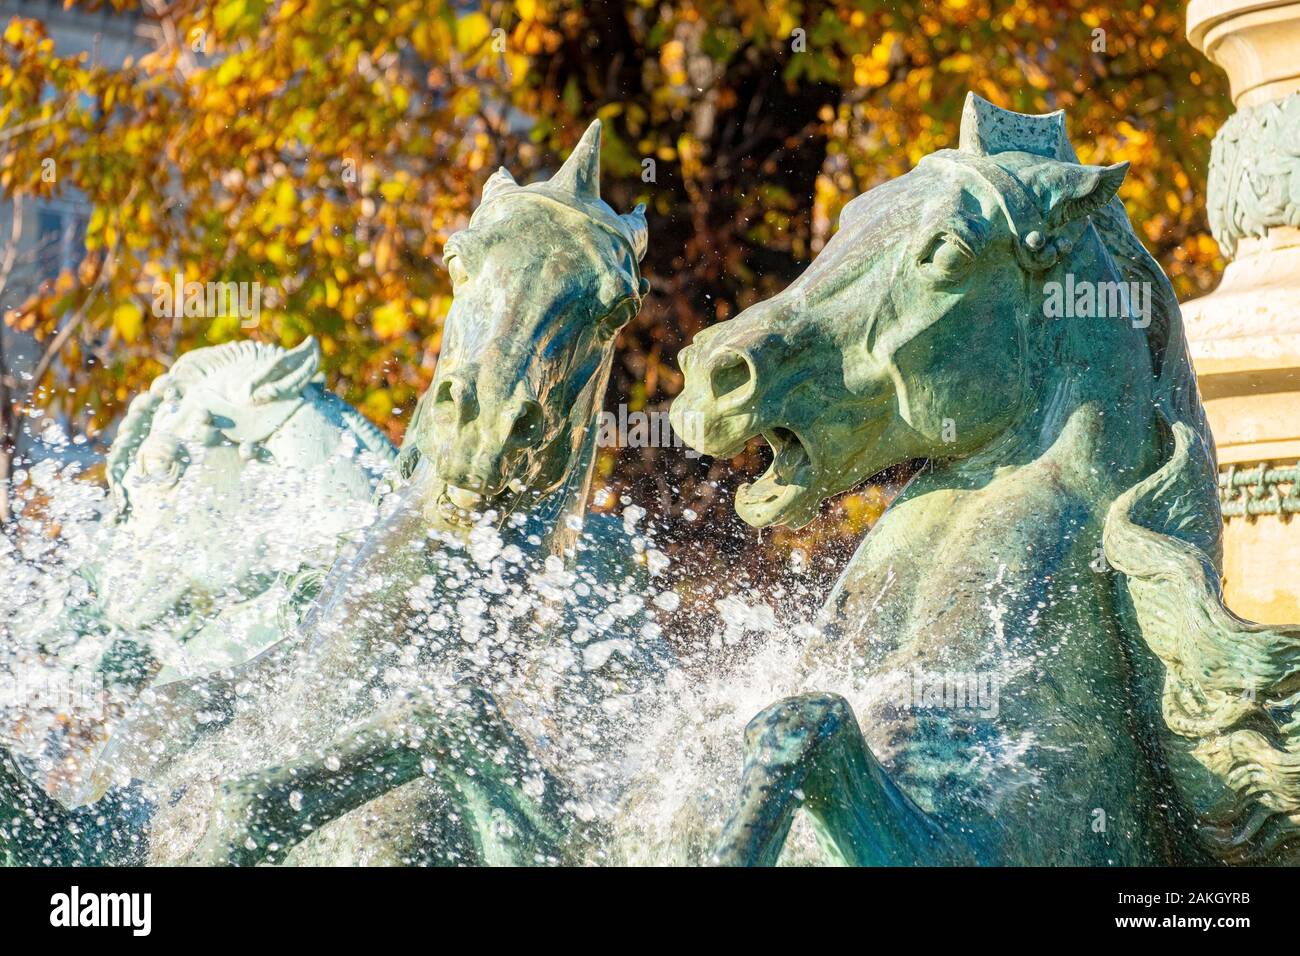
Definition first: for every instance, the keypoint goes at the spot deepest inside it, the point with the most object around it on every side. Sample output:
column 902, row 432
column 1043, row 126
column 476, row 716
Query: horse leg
column 808, row 752
column 449, row 819
column 416, row 824
column 260, row 817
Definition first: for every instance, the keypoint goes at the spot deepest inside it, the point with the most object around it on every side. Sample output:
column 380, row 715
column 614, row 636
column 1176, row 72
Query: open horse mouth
column 464, row 507
column 784, row 493
column 460, row 506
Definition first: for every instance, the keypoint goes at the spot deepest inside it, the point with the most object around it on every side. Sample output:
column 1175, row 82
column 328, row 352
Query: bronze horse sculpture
column 373, row 733
column 1060, row 545
column 385, row 741
column 1062, row 539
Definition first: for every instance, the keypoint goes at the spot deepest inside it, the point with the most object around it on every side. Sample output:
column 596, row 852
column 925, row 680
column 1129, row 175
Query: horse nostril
column 731, row 373
column 456, row 398
column 527, row 429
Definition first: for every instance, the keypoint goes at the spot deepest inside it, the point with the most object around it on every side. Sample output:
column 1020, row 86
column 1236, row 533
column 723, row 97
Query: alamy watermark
column 1088, row 299
column 64, row 692
column 130, row 910
column 973, row 692
column 208, row 300
column 625, row 429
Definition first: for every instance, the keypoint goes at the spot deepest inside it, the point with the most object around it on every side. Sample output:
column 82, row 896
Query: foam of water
column 629, row 699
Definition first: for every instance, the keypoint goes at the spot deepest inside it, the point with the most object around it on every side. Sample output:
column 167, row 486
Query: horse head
column 956, row 316
column 923, row 328
column 544, row 277
column 210, row 463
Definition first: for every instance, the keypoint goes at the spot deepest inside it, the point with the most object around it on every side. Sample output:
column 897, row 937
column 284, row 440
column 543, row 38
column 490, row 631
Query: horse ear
column 580, row 174
column 498, row 181
column 637, row 229
column 288, row 375
column 1072, row 192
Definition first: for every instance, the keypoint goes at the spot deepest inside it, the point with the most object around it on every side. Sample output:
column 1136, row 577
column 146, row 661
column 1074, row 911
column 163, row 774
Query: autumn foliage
column 327, row 148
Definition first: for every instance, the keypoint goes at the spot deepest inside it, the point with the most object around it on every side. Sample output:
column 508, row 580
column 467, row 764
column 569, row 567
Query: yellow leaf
column 285, row 197
column 128, row 320
column 390, row 320
column 471, row 30
column 378, row 404
column 228, row 71
column 229, row 13
column 466, row 102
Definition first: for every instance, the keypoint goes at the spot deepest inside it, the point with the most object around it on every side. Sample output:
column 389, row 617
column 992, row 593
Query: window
column 60, row 240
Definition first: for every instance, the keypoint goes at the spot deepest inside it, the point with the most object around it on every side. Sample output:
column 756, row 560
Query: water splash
column 624, row 704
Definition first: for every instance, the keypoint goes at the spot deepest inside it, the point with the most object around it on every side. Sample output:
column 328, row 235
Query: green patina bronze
column 1062, row 541
column 240, row 460
column 544, row 276
column 232, row 482
column 1059, row 548
column 1258, row 490
column 358, row 770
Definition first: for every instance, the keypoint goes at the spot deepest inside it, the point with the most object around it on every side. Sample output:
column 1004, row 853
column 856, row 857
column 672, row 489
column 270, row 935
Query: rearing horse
column 1061, row 545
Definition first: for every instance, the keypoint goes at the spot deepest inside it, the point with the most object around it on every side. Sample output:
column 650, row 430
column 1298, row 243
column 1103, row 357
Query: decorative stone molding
column 1254, row 182
column 1253, row 41
column 1265, row 489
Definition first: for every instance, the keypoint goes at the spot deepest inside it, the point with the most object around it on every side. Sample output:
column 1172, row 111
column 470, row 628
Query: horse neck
column 1091, row 445
column 1020, row 519
column 1086, row 431
column 561, row 513
column 1088, row 411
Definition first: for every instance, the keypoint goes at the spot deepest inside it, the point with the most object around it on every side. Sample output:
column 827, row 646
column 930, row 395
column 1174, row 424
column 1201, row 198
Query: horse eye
column 455, row 270
column 945, row 256
column 618, row 317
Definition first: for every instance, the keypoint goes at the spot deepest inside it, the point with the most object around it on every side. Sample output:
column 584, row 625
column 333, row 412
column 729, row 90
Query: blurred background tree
column 327, row 148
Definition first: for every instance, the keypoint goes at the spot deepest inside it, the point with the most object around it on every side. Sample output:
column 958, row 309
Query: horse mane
column 1229, row 686
column 367, row 432
column 1230, row 740
column 1233, row 746
column 576, row 185
column 200, row 363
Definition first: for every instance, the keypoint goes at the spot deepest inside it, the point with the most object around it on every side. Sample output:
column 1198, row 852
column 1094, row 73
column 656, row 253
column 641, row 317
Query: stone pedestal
column 1245, row 336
